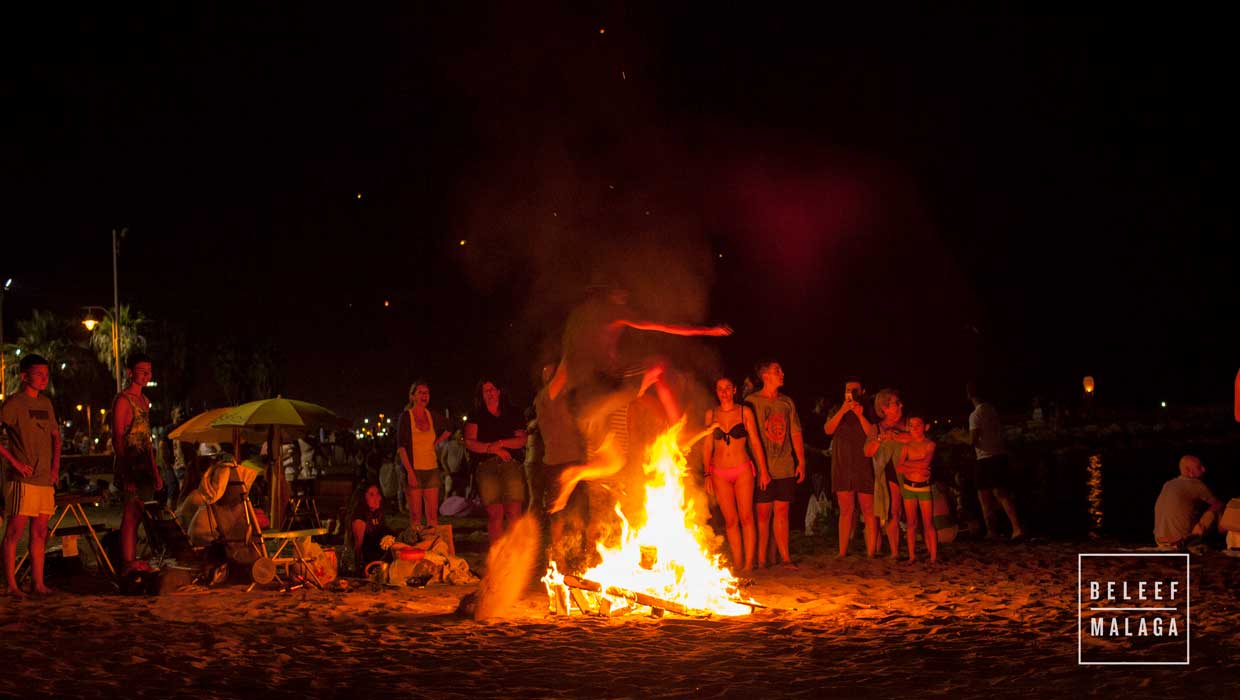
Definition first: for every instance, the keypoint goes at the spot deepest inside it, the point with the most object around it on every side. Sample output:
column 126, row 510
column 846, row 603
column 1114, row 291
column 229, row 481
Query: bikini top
column 737, row 432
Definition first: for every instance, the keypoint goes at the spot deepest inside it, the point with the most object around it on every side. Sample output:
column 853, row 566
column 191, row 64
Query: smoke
column 510, row 563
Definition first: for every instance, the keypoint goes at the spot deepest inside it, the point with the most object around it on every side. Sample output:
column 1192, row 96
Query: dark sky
column 912, row 196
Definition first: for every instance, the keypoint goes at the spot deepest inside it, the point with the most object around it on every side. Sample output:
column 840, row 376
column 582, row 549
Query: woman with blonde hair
column 418, row 433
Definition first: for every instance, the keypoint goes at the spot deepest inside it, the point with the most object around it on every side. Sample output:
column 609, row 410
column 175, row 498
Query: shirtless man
column 913, row 464
column 136, row 473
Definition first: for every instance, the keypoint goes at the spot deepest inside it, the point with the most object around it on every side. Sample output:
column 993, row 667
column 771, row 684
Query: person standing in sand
column 418, row 433
column 730, row 472
column 30, row 443
column 495, row 434
column 992, row 475
column 136, row 475
column 852, row 474
column 780, row 437
column 882, row 448
column 913, row 466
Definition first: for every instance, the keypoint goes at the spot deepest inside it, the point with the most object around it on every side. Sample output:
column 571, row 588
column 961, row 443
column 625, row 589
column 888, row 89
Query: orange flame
column 684, row 571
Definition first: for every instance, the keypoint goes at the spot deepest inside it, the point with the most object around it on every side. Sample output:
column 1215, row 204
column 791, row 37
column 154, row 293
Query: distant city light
column 386, row 303
column 152, row 383
column 1162, row 403
column 389, row 420
column 19, row 352
column 602, row 30
column 78, row 407
column 359, row 195
column 68, row 424
column 464, row 417
column 462, row 241
column 64, row 365
column 366, row 421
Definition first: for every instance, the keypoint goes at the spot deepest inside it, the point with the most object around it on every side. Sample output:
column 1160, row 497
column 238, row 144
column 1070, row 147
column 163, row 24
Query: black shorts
column 992, row 473
column 778, row 490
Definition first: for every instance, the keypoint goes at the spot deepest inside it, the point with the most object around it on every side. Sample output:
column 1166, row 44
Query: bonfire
column 665, row 564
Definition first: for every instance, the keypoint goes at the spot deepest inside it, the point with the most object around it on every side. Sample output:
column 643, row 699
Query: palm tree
column 130, row 341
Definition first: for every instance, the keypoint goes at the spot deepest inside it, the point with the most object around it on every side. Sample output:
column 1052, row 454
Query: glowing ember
column 664, row 558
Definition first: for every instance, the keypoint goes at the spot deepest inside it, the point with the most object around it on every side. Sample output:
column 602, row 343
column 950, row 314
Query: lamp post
column 4, row 369
column 90, row 324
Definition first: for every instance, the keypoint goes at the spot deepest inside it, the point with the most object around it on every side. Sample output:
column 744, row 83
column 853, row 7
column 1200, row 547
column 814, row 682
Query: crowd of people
column 566, row 458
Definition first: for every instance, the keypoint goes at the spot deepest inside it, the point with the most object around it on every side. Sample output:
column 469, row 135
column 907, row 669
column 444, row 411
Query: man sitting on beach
column 1176, row 522
column 30, row 443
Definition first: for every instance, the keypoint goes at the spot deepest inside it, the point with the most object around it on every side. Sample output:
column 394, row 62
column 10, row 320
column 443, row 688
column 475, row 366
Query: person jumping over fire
column 591, row 371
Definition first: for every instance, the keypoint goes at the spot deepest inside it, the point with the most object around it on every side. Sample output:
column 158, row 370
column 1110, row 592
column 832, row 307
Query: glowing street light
column 91, row 323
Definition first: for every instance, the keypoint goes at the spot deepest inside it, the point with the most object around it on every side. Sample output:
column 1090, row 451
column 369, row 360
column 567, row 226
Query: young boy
column 779, row 431
column 30, row 443
column 913, row 464
column 136, row 473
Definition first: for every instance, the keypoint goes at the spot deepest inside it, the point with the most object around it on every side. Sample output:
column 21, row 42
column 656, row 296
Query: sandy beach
column 993, row 619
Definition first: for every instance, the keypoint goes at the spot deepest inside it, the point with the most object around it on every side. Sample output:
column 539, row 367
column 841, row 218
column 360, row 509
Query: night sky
column 915, row 197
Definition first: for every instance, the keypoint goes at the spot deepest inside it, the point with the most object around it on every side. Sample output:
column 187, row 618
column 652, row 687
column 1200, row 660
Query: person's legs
column 911, row 515
column 129, row 529
column 764, row 532
column 1009, row 506
column 743, row 488
column 38, row 542
column 871, row 523
column 930, row 533
column 415, row 499
column 512, row 512
column 358, row 529
column 726, row 496
column 847, row 516
column 13, row 532
column 430, row 503
column 781, row 530
column 893, row 518
column 495, row 521
column 990, row 511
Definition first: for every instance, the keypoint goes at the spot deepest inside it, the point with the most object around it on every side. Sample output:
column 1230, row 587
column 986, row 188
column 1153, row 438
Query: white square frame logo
column 1188, row 616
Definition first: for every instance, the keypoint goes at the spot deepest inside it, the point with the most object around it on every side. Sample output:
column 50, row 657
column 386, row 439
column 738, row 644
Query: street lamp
column 4, row 370
column 90, row 322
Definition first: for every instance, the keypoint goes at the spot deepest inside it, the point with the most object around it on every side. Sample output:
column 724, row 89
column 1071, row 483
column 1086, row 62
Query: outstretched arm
column 672, row 329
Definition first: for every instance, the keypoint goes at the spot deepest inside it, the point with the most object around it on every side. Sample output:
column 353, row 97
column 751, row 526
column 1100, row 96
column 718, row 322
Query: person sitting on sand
column 730, row 472
column 1176, row 522
column 30, row 443
column 913, row 465
column 368, row 527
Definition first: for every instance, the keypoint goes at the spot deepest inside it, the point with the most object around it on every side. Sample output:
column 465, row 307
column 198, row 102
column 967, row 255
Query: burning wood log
column 635, row 596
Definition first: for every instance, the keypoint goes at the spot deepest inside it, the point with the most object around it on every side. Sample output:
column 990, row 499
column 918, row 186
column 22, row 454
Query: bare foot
column 912, row 560
column 790, row 566
column 44, row 590
column 15, row 592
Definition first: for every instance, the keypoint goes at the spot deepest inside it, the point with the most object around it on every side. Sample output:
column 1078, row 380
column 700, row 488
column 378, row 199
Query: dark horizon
column 914, row 199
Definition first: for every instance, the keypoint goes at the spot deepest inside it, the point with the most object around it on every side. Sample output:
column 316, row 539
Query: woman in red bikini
column 730, row 470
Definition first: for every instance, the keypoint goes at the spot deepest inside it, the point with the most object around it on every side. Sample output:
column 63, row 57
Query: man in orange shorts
column 30, row 443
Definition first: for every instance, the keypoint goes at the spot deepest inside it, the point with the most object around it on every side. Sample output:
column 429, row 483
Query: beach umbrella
column 200, row 429
column 274, row 414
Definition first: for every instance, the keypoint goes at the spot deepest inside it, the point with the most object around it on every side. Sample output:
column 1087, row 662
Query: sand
column 994, row 619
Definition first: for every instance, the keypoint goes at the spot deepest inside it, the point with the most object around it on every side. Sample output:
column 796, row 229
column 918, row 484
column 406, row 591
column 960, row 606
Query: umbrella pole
column 277, row 481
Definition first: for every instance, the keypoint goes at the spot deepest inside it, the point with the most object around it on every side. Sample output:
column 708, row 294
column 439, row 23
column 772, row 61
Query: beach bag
column 818, row 510
column 456, row 506
column 944, row 519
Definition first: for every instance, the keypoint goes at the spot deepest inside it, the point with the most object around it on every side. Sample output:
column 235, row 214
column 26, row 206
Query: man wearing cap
column 30, row 443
